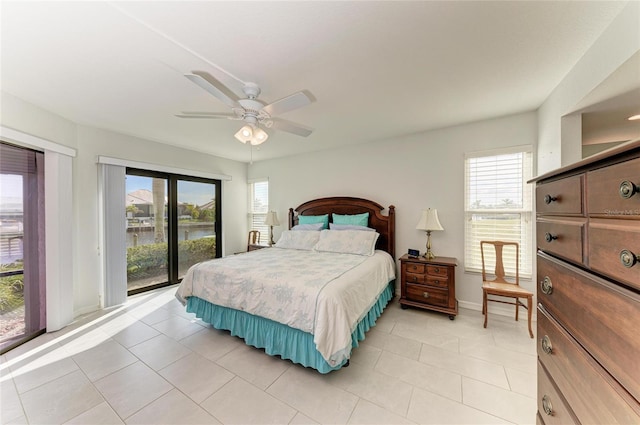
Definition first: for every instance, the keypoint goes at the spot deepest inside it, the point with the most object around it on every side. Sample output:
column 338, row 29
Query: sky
column 11, row 189
column 188, row 192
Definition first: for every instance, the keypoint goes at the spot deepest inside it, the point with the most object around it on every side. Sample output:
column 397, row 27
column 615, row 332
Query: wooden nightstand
column 429, row 284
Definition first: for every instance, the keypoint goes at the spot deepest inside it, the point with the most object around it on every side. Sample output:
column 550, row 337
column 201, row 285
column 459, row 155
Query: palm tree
column 158, row 209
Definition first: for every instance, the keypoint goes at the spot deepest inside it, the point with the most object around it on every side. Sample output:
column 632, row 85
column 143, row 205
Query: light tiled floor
column 149, row 362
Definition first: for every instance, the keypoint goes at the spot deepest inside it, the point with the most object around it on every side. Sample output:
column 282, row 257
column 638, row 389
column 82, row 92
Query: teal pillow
column 311, row 219
column 357, row 219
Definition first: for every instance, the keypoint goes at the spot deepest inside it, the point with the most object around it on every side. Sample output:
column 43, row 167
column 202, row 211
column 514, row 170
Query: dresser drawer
column 614, row 247
column 552, row 408
column 561, row 197
column 416, row 278
column 593, row 395
column 563, row 237
column 602, row 316
column 428, row 295
column 414, row 268
column 605, row 187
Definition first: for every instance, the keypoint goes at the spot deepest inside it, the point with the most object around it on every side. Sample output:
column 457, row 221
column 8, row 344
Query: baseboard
column 499, row 309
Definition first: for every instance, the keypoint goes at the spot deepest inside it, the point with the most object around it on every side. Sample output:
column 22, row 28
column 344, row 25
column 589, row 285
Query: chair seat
column 498, row 288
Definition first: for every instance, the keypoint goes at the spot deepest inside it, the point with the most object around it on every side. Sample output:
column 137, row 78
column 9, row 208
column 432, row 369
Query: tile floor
column 149, row 362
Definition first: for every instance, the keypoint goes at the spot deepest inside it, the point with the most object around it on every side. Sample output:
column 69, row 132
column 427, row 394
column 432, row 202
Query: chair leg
column 529, row 307
column 484, row 308
column 517, row 308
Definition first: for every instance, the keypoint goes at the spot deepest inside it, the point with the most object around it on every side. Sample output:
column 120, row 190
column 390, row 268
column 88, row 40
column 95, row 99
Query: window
column 258, row 208
column 498, row 205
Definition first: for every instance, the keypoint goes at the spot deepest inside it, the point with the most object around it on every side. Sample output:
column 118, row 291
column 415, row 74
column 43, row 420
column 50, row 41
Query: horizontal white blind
column 498, row 206
column 258, row 207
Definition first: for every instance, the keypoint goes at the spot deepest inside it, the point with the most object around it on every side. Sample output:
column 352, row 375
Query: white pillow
column 347, row 242
column 298, row 239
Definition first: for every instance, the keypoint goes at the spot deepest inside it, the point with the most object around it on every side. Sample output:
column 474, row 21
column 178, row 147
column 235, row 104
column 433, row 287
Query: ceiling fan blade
column 215, row 87
column 291, row 127
column 289, row 103
column 207, row 115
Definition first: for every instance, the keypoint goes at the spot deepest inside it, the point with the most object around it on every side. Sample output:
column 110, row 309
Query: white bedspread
column 322, row 293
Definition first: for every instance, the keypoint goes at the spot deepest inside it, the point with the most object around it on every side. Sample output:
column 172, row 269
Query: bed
column 310, row 298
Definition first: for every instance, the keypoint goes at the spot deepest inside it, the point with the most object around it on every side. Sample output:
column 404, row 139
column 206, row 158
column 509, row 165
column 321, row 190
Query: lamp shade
column 429, row 220
column 271, row 219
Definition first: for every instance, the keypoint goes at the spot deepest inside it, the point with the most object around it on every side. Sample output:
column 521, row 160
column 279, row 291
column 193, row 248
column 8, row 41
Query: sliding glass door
column 22, row 274
column 173, row 222
column 196, row 223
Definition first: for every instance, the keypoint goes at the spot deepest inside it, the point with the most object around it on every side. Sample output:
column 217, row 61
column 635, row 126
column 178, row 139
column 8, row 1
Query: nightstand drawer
column 428, row 295
column 441, row 282
column 416, row 278
column 414, row 268
column 438, row 271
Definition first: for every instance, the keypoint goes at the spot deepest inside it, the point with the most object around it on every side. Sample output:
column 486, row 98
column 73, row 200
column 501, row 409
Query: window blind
column 258, row 208
column 498, row 206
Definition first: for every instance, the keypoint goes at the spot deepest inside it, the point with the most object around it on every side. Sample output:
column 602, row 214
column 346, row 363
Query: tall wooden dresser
column 588, row 238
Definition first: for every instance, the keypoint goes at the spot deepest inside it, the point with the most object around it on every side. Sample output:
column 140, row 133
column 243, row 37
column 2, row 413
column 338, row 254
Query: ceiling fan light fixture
column 245, row 134
column 259, row 136
column 251, row 134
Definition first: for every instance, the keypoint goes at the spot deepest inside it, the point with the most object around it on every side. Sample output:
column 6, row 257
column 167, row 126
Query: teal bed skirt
column 278, row 339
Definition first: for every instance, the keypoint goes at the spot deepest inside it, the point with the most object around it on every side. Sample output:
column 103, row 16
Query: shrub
column 146, row 260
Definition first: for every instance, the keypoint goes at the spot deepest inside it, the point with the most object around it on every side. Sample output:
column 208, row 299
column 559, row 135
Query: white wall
column 412, row 172
column 619, row 42
column 89, row 144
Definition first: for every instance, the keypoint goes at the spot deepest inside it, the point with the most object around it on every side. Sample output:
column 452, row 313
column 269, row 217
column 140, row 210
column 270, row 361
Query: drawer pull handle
column 437, row 270
column 628, row 258
column 425, row 294
column 546, row 285
column 546, row 344
column 549, row 237
column 549, row 199
column 437, row 282
column 628, row 189
column 546, row 405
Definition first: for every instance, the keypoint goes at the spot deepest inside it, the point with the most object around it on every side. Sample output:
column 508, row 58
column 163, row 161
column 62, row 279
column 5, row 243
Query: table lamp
column 429, row 222
column 271, row 220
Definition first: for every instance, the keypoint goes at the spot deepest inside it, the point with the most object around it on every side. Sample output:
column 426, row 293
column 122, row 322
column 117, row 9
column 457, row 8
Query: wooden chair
column 500, row 286
column 253, row 239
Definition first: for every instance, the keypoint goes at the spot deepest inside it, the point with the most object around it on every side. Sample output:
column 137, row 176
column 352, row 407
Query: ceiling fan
column 255, row 113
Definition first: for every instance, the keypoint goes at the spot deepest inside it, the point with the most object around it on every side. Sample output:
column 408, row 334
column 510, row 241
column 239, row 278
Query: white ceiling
column 377, row 69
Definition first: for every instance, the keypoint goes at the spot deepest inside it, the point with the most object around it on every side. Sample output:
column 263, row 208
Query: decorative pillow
column 311, row 219
column 312, row 226
column 357, row 219
column 300, row 239
column 334, row 226
column 347, row 242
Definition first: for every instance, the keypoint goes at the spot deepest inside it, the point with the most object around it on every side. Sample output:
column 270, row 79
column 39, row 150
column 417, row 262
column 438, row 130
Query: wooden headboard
column 385, row 225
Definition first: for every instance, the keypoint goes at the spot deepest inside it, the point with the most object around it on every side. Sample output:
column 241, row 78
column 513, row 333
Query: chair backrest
column 499, row 269
column 254, row 237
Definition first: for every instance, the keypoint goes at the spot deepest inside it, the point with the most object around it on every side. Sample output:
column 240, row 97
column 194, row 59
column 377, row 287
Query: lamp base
column 428, row 254
column 271, row 242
